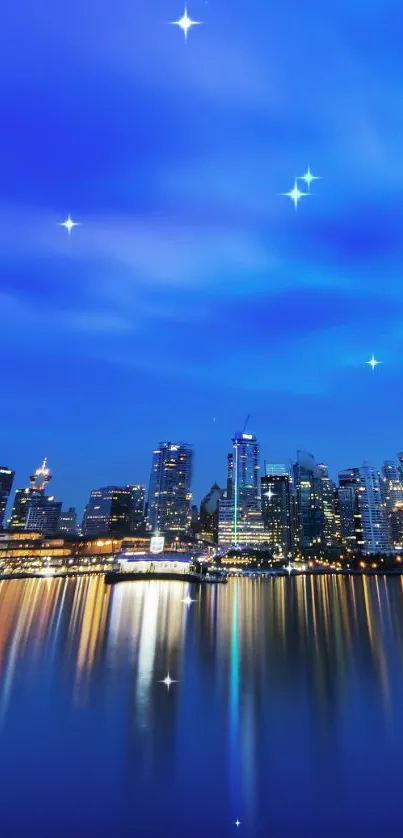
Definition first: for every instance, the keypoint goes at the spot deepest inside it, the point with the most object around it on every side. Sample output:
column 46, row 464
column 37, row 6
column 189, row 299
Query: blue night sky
column 193, row 291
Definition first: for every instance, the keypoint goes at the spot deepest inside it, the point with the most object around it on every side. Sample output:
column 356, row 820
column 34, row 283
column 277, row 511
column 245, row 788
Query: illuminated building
column 23, row 497
column 372, row 511
column 392, row 493
column 209, row 513
column 349, row 510
column 240, row 516
column 68, row 522
column 277, row 510
column 20, row 509
column 396, row 526
column 329, row 512
column 6, row 482
column 230, row 475
column 43, row 514
column 137, row 519
column 309, row 502
column 250, row 529
column 169, row 493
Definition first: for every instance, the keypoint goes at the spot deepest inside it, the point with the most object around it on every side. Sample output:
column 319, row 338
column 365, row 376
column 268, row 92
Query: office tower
column 400, row 458
column 372, row 511
column 392, row 494
column 137, row 516
column 240, row 516
column 169, row 493
column 329, row 513
column 23, row 497
column 230, row 475
column 277, row 469
column 68, row 522
column 43, row 514
column 109, row 510
column 277, row 508
column 20, row 509
column 349, row 509
column 6, row 482
column 209, row 513
column 309, row 503
column 396, row 526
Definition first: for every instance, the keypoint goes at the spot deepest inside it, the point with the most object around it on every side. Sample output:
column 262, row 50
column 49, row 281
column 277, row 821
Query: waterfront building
column 110, row 510
column 250, row 531
column 372, row 510
column 20, row 509
column 277, row 508
column 209, row 513
column 39, row 480
column 309, row 503
column 137, row 516
column 396, row 526
column 68, row 522
column 43, row 514
column 6, row 482
column 239, row 515
column 169, row 493
column 392, row 493
column 349, row 509
column 329, row 512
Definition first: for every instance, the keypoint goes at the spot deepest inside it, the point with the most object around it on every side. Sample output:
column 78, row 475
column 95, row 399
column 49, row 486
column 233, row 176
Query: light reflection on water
column 287, row 689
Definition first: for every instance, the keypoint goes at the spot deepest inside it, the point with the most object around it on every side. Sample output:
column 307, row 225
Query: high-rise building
column 309, row 503
column 349, row 509
column 6, row 482
column 43, row 514
column 137, row 516
column 329, row 512
column 209, row 513
column 392, row 494
column 19, row 514
column 169, row 493
column 400, row 458
column 109, row 510
column 68, row 522
column 396, row 524
column 277, row 508
column 240, row 516
column 372, row 511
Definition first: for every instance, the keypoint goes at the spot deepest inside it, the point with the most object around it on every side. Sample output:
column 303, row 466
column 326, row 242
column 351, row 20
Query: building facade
column 169, row 496
column 68, row 522
column 309, row 503
column 6, row 483
column 277, row 509
column 43, row 514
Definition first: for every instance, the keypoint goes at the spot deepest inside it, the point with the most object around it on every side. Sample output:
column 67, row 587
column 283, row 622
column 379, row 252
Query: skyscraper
column 43, row 514
column 137, row 518
column 20, row 509
column 169, row 493
column 240, row 516
column 277, row 507
column 6, row 482
column 349, row 509
column 329, row 512
column 68, row 522
column 309, row 503
column 35, row 493
column 209, row 513
column 109, row 510
column 372, row 511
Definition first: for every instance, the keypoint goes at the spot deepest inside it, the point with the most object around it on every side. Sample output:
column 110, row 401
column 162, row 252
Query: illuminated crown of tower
column 41, row 477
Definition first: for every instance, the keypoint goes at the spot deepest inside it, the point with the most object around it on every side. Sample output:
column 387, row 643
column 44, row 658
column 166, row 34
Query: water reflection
column 277, row 679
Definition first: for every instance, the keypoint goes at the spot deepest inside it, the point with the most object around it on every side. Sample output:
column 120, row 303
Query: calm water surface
column 287, row 712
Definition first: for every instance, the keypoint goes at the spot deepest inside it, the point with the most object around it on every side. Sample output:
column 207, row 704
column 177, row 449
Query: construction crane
column 246, row 422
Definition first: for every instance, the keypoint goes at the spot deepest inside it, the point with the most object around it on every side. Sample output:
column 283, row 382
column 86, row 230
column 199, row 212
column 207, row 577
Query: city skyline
column 191, row 283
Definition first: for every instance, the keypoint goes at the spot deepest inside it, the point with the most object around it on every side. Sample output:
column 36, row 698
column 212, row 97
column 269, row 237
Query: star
column 69, row 224
column 372, row 363
column 295, row 194
column 188, row 600
column 308, row 177
column 289, row 568
column 270, row 494
column 185, row 23
column 168, row 681
column 237, row 822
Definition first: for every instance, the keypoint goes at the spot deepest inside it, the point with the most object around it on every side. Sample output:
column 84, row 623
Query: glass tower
column 169, row 493
column 6, row 482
